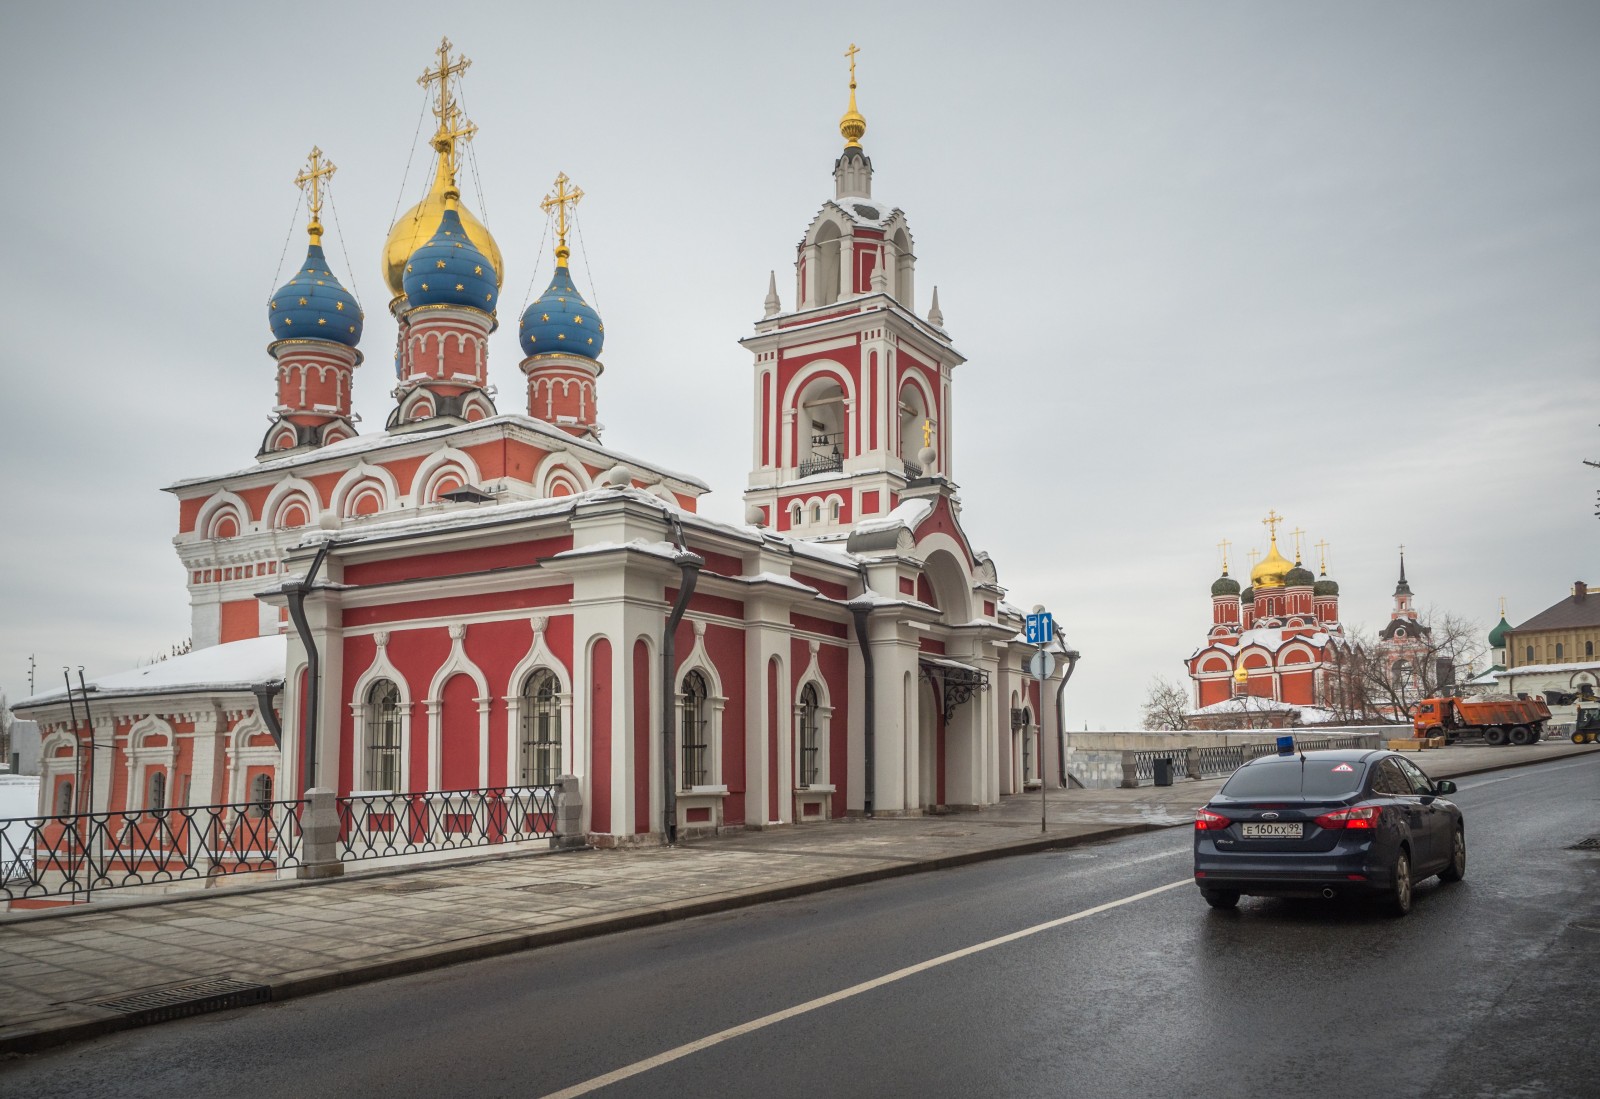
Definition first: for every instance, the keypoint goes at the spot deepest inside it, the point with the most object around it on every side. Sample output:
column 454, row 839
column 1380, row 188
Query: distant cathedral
column 480, row 598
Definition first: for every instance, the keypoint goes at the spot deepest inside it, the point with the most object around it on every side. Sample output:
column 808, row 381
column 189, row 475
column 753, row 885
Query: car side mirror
column 1444, row 786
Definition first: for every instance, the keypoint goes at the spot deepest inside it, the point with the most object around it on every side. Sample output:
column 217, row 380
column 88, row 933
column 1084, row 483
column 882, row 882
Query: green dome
column 1298, row 577
column 1325, row 587
column 1249, row 594
column 1497, row 636
column 1225, row 585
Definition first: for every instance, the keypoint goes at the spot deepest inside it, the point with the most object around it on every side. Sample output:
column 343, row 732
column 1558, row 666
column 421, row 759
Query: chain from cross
column 559, row 201
column 312, row 176
column 1255, row 555
column 1271, row 523
column 445, row 109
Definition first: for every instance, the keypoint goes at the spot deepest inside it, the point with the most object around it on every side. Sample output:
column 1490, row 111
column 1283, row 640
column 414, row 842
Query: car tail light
column 1353, row 818
column 1207, row 821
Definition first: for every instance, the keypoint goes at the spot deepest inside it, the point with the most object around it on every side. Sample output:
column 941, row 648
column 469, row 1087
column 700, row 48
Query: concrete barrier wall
column 1109, row 759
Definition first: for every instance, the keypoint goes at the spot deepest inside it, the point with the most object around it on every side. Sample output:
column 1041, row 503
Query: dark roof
column 1573, row 612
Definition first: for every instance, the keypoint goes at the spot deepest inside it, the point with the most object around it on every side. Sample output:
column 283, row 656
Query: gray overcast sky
column 1205, row 259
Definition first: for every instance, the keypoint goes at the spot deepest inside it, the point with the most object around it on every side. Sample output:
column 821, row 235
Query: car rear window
column 1294, row 777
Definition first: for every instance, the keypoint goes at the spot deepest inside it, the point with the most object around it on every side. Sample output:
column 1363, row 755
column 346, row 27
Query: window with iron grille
column 808, row 735
column 64, row 806
column 383, row 736
column 692, row 732
column 541, row 728
column 260, row 795
column 155, row 792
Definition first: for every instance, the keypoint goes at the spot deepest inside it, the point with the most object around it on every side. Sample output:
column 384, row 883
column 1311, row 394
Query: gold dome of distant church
column 1271, row 570
column 416, row 226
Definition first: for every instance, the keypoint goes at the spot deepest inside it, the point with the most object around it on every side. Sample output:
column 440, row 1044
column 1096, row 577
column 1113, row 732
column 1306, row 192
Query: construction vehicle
column 1497, row 720
column 1586, row 730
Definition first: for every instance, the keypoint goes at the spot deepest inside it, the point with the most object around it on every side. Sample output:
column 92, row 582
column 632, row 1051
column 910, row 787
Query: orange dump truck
column 1497, row 720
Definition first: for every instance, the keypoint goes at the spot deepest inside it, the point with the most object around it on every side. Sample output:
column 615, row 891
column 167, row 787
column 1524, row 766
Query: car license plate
column 1273, row 831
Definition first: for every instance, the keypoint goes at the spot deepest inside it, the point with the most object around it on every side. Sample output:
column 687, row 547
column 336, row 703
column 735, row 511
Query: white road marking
column 1522, row 772
column 626, row 1071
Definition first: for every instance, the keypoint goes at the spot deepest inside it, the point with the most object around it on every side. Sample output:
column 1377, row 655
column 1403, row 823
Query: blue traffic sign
column 1041, row 629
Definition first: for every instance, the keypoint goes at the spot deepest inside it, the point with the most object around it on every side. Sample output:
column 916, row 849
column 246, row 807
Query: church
column 481, row 598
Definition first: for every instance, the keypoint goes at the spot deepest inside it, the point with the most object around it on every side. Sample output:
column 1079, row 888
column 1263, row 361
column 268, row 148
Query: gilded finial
column 453, row 125
column 559, row 201
column 852, row 125
column 312, row 175
column 1297, row 534
column 1322, row 555
column 1502, row 606
column 1223, row 546
column 1241, row 675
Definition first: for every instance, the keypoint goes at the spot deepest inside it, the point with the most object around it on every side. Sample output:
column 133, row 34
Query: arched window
column 808, row 735
column 795, row 514
column 383, row 736
column 827, row 276
column 835, row 514
column 1530, row 654
column 1558, row 650
column 913, row 413
column 260, row 795
column 64, row 806
column 1588, row 648
column 694, row 734
column 541, row 728
column 155, row 790
column 823, row 442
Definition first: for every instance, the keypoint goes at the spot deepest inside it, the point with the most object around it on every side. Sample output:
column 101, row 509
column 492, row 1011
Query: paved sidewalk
column 292, row 939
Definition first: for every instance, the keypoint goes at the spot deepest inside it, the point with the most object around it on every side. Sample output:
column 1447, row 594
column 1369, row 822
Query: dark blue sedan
column 1327, row 824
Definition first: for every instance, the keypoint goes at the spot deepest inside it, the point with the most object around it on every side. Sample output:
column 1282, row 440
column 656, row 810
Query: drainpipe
column 265, row 693
column 296, row 590
column 689, row 575
column 859, row 611
column 1072, row 656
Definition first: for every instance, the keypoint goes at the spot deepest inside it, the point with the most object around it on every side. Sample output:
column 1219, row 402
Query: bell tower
column 852, row 387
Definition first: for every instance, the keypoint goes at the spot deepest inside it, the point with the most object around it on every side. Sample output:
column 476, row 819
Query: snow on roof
column 1247, row 704
column 908, row 514
column 233, row 666
column 1270, row 639
column 1548, row 669
column 363, row 444
column 859, row 208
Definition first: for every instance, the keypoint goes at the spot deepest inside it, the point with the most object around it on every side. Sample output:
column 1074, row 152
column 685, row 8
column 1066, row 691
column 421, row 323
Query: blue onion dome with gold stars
column 314, row 306
column 559, row 320
column 449, row 269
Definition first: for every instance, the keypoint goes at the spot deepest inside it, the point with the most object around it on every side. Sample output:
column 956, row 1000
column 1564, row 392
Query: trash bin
column 1163, row 770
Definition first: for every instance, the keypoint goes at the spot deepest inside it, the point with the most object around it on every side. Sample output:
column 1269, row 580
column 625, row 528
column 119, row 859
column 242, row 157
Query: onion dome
column 1497, row 636
column 314, row 306
column 1225, row 585
column 1271, row 570
column 559, row 320
column 1299, row 576
column 414, row 227
column 1248, row 595
column 450, row 270
column 1324, row 586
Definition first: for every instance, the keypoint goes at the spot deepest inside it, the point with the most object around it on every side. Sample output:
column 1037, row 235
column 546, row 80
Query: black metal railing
column 827, row 454
column 1139, row 767
column 376, row 826
column 74, row 854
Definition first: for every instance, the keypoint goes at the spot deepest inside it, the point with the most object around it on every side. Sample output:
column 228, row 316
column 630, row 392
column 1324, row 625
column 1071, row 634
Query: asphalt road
column 1096, row 971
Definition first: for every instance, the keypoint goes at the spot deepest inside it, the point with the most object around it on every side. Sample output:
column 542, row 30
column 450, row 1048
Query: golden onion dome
column 1271, row 570
column 416, row 227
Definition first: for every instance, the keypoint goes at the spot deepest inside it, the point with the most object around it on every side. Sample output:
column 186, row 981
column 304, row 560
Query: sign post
column 1041, row 631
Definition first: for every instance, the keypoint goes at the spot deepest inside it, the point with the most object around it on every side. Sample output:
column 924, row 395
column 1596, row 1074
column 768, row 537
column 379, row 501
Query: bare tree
column 1166, row 706
column 1386, row 680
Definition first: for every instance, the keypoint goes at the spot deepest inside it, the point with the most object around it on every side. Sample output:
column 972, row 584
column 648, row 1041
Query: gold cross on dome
column 316, row 170
column 562, row 198
column 1223, row 546
column 1297, row 534
column 1255, row 555
column 1271, row 523
column 1502, row 606
column 851, row 54
column 927, row 432
column 1322, row 554
column 444, row 106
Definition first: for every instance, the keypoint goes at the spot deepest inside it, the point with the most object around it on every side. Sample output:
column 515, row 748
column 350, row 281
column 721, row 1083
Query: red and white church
column 476, row 598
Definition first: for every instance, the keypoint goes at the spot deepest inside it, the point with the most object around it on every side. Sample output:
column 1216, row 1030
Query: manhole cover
column 192, row 998
column 1590, row 844
column 553, row 887
column 410, row 886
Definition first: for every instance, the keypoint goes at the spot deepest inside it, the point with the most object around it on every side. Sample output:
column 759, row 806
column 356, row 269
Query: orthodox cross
column 1322, row 554
column 1502, row 611
column 312, row 175
column 927, row 432
column 559, row 201
column 1271, row 523
column 1255, row 555
column 1223, row 546
column 445, row 107
column 851, row 54
column 1297, row 534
